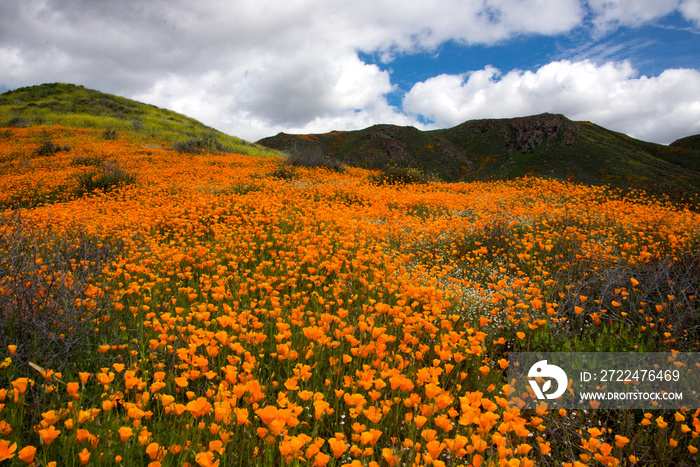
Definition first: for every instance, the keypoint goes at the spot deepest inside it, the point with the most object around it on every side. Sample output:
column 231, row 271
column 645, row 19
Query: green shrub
column 48, row 148
column 18, row 122
column 285, row 172
column 244, row 188
column 37, row 196
column 393, row 175
column 87, row 161
column 109, row 176
column 110, row 134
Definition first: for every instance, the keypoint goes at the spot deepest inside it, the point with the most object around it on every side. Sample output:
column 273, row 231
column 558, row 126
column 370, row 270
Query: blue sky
column 253, row 68
column 652, row 48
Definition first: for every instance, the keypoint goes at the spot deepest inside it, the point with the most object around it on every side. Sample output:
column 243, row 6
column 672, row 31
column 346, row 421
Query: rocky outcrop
column 527, row 133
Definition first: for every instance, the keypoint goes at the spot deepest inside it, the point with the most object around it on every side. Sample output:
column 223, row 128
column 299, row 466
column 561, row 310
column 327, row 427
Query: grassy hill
column 75, row 106
column 546, row 145
column 689, row 142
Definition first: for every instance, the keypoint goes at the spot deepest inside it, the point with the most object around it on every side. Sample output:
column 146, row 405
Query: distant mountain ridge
column 547, row 145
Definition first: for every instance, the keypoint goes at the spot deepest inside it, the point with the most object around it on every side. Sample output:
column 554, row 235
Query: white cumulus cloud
column 661, row 108
column 691, row 10
column 609, row 14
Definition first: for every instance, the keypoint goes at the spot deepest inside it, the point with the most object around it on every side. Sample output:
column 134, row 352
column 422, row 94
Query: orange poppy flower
column 84, row 456
column 48, row 435
column 199, row 407
column 7, row 450
column 27, row 454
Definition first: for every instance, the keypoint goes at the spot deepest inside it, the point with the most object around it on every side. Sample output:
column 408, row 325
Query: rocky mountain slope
column 546, row 145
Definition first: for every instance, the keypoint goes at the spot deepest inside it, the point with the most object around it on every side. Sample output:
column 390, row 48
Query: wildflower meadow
column 168, row 308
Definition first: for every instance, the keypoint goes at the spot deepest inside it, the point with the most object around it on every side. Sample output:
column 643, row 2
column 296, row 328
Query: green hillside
column 544, row 145
column 689, row 142
column 75, row 106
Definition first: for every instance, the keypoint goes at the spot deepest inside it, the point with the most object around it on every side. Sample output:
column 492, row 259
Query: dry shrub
column 206, row 144
column 308, row 156
column 49, row 306
column 667, row 292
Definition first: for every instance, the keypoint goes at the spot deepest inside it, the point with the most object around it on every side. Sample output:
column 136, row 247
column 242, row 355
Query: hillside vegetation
column 546, row 145
column 218, row 309
column 75, row 106
column 689, row 142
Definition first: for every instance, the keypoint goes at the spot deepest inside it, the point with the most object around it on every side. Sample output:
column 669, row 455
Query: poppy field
column 167, row 308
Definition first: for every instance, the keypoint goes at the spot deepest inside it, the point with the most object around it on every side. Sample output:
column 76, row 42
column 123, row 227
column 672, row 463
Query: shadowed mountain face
column 545, row 145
